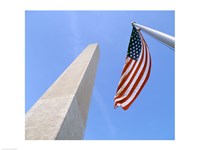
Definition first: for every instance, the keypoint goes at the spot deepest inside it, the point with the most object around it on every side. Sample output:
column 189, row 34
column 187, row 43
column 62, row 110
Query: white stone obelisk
column 61, row 113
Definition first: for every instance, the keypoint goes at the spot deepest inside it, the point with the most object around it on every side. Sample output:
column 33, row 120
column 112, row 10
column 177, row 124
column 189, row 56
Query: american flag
column 136, row 71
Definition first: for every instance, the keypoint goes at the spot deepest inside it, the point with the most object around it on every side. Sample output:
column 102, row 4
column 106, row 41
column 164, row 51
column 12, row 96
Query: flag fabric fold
column 136, row 71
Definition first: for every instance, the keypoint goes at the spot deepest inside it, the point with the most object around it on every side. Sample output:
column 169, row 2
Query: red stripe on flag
column 124, row 70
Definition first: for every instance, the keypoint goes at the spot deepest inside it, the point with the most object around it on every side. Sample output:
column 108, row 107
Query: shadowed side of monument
column 61, row 113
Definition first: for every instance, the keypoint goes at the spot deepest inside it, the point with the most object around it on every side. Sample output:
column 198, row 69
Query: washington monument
column 61, row 112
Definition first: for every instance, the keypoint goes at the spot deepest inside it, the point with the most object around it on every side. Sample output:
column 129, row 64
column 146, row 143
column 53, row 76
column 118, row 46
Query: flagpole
column 164, row 38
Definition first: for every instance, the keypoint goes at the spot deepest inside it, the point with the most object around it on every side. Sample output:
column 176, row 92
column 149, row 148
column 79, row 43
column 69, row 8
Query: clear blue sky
column 55, row 38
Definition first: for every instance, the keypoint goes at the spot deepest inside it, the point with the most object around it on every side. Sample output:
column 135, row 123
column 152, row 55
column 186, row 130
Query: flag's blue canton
column 134, row 48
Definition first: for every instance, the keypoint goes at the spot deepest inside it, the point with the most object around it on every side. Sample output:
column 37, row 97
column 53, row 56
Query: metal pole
column 164, row 38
